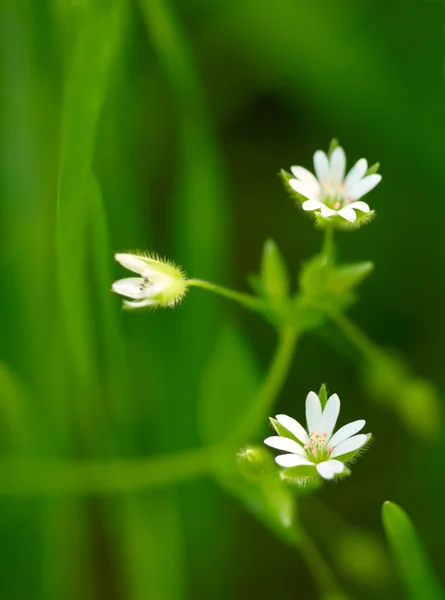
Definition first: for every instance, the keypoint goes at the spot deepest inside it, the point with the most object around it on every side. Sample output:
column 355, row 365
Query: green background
column 147, row 125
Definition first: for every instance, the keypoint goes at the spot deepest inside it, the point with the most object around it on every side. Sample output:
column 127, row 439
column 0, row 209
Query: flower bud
column 160, row 282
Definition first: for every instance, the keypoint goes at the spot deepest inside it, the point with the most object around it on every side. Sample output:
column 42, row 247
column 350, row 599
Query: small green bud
column 255, row 462
column 160, row 282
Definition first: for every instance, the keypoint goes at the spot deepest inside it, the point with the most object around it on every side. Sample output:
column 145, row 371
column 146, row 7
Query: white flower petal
column 313, row 413
column 306, row 177
column 131, row 262
column 156, row 285
column 364, row 186
column 330, row 415
column 349, row 445
column 293, row 427
column 139, row 303
column 347, row 213
column 329, row 468
column 355, row 174
column 338, row 164
column 132, row 287
column 302, row 188
column 345, row 432
column 360, row 206
column 321, row 166
column 291, row 460
column 286, row 444
column 312, row 205
column 326, row 211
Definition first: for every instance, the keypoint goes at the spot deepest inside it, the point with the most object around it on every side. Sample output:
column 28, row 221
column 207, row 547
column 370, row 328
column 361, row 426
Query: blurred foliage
column 162, row 126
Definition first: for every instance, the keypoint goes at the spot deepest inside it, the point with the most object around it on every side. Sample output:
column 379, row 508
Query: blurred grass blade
column 418, row 578
column 14, row 417
column 94, row 49
column 152, row 547
column 117, row 379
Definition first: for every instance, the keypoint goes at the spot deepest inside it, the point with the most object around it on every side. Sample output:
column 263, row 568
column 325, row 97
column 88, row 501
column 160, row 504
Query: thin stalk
column 321, row 572
column 357, row 337
column 271, row 387
column 247, row 300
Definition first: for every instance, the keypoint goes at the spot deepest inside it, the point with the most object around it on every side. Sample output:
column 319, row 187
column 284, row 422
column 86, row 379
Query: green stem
column 321, row 572
column 247, row 300
column 357, row 337
column 271, row 387
column 54, row 477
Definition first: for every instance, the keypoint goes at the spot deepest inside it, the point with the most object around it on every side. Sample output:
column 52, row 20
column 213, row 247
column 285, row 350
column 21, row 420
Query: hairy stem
column 247, row 300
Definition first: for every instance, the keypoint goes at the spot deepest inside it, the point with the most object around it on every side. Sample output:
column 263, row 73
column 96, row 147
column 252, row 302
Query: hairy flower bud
column 160, row 282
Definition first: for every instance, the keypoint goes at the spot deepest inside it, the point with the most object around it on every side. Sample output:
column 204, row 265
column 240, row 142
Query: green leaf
column 417, row 576
column 94, row 51
column 228, row 385
column 345, row 278
column 274, row 274
column 327, row 289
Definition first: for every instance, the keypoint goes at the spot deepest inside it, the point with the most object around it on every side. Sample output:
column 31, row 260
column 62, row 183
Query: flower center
column 316, row 449
column 145, row 284
column 332, row 194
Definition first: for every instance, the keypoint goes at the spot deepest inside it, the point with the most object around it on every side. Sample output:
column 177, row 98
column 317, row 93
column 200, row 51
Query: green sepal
column 373, row 169
column 298, row 475
column 350, row 456
column 341, row 223
column 282, row 431
column 332, row 146
column 345, row 473
column 286, row 177
column 323, row 395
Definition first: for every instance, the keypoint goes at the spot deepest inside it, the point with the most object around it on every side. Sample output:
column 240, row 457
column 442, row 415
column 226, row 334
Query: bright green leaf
column 274, row 273
column 417, row 576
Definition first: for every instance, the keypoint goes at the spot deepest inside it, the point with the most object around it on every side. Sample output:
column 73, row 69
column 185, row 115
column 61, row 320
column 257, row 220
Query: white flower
column 317, row 450
column 161, row 283
column 331, row 192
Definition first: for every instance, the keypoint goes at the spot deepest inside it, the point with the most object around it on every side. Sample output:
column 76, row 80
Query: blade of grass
column 417, row 575
column 89, row 68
